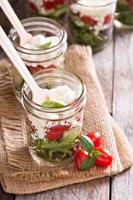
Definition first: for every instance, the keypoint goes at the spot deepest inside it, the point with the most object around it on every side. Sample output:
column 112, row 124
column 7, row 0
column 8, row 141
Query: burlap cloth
column 19, row 173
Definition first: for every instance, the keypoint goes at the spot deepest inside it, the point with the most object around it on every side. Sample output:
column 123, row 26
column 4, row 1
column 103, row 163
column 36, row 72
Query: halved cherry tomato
column 108, row 19
column 56, row 132
column 89, row 20
column 79, row 156
column 105, row 159
column 36, row 69
column 95, row 137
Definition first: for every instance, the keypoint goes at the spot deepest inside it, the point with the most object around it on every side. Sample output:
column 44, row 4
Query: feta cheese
column 62, row 94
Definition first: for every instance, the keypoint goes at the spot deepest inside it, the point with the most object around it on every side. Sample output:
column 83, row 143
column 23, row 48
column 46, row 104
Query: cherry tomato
column 80, row 155
column 88, row 20
column 105, row 159
column 108, row 19
column 36, row 69
column 95, row 137
column 56, row 132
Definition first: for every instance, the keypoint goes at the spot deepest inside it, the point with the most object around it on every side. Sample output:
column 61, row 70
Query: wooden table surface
column 114, row 67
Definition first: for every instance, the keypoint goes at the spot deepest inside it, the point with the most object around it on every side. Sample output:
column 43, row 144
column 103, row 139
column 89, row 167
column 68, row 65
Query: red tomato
column 108, row 19
column 80, row 155
column 33, row 6
column 105, row 159
column 95, row 137
column 130, row 2
column 36, row 69
column 49, row 4
column 88, row 20
column 56, row 132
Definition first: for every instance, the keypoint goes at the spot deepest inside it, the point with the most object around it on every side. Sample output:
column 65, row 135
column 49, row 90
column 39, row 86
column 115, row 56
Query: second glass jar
column 39, row 59
column 91, row 22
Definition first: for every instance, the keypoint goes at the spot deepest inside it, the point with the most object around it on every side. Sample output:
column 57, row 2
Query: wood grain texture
column 122, row 185
column 104, row 66
column 97, row 189
column 5, row 196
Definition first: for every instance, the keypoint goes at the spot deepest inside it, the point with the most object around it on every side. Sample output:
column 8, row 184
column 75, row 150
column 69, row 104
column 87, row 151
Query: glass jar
column 52, row 132
column 91, row 22
column 37, row 60
column 124, row 14
column 55, row 9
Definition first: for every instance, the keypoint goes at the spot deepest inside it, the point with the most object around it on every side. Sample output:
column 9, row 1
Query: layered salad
column 55, row 139
column 90, row 22
column 48, row 8
column 125, row 12
column 36, row 56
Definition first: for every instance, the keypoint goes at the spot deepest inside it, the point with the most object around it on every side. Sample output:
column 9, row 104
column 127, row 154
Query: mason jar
column 52, row 132
column 40, row 59
column 55, row 9
column 91, row 22
column 124, row 14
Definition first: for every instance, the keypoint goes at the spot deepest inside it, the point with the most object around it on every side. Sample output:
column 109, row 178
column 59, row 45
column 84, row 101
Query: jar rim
column 109, row 2
column 34, row 20
column 65, row 108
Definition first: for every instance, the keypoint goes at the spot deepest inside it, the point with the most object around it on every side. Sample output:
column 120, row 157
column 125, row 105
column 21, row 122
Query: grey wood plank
column 97, row 189
column 92, row 191
column 5, row 196
column 122, row 185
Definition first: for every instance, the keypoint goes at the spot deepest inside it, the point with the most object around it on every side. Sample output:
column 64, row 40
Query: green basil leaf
column 45, row 46
column 86, row 143
column 52, row 104
column 87, row 163
column 96, row 153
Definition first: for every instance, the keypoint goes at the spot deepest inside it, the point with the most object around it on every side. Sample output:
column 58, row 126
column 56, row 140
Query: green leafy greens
column 125, row 14
column 52, row 104
column 45, row 46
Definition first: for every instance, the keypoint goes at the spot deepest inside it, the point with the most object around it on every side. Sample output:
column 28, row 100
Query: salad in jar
column 45, row 50
column 54, row 125
column 48, row 8
column 124, row 12
column 90, row 22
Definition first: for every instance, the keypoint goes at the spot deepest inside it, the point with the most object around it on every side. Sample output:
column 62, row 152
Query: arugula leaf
column 87, row 163
column 45, row 46
column 52, row 104
column 125, row 14
column 86, row 143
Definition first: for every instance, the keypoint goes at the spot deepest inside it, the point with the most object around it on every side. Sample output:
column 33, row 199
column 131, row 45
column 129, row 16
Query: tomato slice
column 108, row 19
column 33, row 6
column 49, row 4
column 89, row 20
column 105, row 159
column 36, row 69
column 95, row 137
column 130, row 2
column 56, row 132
